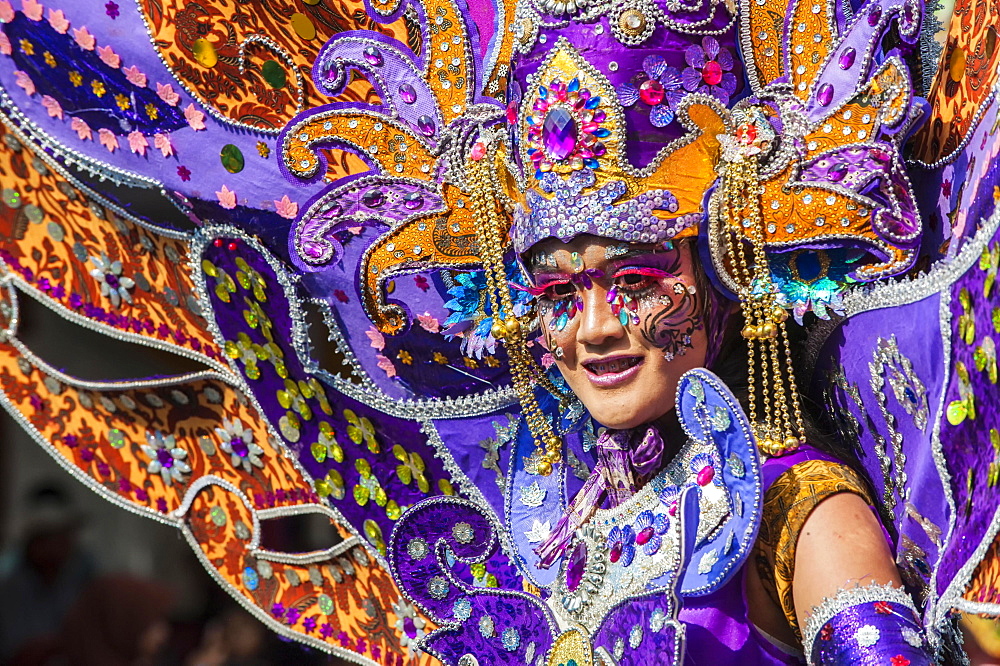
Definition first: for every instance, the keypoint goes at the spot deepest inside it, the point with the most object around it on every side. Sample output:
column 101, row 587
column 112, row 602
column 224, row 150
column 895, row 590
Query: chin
column 629, row 410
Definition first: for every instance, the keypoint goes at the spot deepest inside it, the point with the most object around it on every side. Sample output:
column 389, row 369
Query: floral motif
column 368, row 488
column 621, row 545
column 649, row 530
column 411, row 468
column 238, row 442
column 565, row 128
column 409, row 625
column 704, row 466
column 658, row 87
column 361, row 430
column 109, row 274
column 165, row 457
column 709, row 70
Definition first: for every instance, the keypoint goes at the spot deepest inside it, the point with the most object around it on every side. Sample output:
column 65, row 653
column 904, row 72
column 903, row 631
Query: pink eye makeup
column 630, row 284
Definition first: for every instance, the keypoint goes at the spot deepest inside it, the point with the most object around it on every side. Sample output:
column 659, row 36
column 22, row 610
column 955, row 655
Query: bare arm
column 841, row 545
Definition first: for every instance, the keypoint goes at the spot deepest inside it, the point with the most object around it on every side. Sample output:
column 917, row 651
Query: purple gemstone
column 165, row 458
column 825, row 94
column 409, row 627
column 559, row 133
column 373, row 198
column 239, row 447
column 413, row 200
column 847, row 58
column 312, row 250
column 374, row 56
column 112, row 280
column 577, row 565
column 426, row 125
column 407, row 93
column 874, row 16
column 837, row 172
column 334, row 210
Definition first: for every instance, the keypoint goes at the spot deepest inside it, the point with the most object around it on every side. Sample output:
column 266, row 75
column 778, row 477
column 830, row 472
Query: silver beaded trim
column 844, row 599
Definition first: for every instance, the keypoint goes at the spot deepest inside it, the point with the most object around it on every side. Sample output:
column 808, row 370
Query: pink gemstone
column 478, row 151
column 825, row 94
column 577, row 565
column 651, row 92
column 711, row 73
column 616, row 552
column 644, row 535
column 847, row 58
column 559, row 133
column 673, row 509
column 706, row 475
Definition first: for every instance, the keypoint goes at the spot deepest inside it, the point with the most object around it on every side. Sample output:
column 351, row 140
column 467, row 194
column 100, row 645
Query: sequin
column 438, row 587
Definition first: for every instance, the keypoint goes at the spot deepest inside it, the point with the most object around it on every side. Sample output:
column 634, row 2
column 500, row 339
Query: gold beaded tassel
column 525, row 373
column 779, row 428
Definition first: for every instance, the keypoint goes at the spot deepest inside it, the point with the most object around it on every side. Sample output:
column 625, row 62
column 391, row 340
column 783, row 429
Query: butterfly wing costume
column 374, row 171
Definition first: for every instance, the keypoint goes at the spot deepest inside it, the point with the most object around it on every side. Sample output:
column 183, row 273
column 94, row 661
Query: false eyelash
column 644, row 271
column 534, row 291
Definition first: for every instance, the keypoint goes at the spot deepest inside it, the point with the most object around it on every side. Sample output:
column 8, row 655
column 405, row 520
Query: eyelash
column 649, row 275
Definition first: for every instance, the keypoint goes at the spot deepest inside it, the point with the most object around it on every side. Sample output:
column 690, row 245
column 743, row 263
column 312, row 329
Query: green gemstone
column 218, row 516
column 116, row 438
column 957, row 412
column 318, row 451
column 231, row 158
column 274, row 74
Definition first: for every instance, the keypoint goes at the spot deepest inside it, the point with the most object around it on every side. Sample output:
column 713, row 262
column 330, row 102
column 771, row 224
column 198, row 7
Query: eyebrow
column 638, row 252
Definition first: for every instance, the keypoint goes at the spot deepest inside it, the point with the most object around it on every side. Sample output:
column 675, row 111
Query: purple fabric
column 864, row 38
column 495, row 625
column 128, row 36
column 854, row 344
column 872, row 634
column 387, row 430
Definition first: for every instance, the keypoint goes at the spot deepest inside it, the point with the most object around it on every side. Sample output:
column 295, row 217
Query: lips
column 612, row 372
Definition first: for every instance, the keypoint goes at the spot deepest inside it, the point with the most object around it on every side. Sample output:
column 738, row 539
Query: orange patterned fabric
column 985, row 584
column 57, row 233
column 966, row 75
column 787, row 505
column 200, row 42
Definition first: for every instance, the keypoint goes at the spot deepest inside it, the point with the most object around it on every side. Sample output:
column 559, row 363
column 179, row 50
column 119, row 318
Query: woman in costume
column 531, row 228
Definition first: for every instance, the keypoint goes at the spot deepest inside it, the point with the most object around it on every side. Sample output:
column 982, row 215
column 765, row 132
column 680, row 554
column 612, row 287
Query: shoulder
column 795, row 502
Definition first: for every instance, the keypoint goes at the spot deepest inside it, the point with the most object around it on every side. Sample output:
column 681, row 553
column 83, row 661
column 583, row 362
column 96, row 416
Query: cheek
column 558, row 322
column 670, row 317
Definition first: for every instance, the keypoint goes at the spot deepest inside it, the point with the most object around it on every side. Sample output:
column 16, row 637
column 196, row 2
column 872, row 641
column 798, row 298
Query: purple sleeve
column 865, row 626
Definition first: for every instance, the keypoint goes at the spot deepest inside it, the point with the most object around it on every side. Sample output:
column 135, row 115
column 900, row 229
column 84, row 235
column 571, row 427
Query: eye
column 638, row 279
column 556, row 290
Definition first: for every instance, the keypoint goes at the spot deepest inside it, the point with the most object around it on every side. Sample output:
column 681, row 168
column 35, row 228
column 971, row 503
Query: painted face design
column 617, row 318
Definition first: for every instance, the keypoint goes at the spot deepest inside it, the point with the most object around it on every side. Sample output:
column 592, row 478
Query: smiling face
column 623, row 321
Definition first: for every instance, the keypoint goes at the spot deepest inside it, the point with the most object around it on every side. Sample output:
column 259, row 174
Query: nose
column 598, row 325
